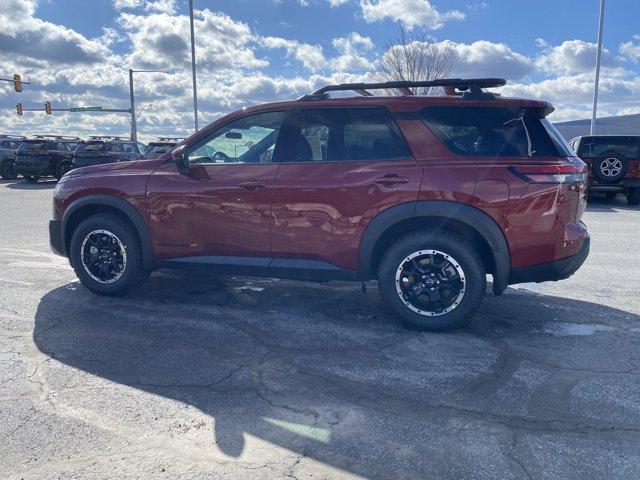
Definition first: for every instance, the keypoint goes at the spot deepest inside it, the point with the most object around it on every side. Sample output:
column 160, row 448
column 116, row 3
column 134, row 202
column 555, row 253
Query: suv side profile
column 45, row 155
column 106, row 149
column 614, row 164
column 425, row 194
column 8, row 146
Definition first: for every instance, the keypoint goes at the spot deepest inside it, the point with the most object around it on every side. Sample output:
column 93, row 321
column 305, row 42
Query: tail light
column 566, row 174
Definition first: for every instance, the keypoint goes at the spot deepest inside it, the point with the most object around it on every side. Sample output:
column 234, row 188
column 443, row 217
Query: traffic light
column 17, row 82
column 19, row 109
column 47, row 107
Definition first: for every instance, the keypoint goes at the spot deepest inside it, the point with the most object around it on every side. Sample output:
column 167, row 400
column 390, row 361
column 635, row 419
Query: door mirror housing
column 181, row 159
column 233, row 135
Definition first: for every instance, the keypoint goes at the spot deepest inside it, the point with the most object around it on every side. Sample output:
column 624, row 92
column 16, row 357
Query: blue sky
column 77, row 52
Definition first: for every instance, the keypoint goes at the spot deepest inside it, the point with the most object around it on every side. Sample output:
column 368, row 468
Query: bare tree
column 415, row 59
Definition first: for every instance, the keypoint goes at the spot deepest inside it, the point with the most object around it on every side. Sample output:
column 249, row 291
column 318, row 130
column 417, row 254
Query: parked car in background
column 614, row 164
column 160, row 147
column 426, row 194
column 105, row 149
column 8, row 146
column 45, row 155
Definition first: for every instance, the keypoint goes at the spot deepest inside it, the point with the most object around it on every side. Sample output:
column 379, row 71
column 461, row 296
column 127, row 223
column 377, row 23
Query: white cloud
column 311, row 56
column 573, row 56
column 483, row 58
column 411, row 13
column 630, row 49
column 351, row 50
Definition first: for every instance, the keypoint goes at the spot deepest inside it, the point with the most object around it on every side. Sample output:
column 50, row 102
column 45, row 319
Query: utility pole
column 193, row 68
column 592, row 130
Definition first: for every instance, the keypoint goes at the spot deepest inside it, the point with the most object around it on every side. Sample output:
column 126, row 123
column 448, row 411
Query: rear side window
column 33, row 145
column 347, row 134
column 494, row 131
column 595, row 146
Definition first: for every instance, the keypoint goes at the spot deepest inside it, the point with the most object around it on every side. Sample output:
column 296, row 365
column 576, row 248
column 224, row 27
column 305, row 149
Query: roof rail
column 471, row 87
column 60, row 137
column 177, row 139
column 108, row 137
column 15, row 137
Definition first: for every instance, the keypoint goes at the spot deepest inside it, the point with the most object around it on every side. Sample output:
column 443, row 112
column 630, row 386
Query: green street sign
column 93, row 109
column 77, row 109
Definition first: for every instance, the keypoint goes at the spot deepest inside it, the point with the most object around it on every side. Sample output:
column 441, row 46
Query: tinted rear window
column 91, row 147
column 494, row 131
column 33, row 145
column 595, row 146
column 340, row 134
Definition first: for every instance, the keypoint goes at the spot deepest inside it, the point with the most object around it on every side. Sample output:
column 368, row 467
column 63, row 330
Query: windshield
column 92, row 147
column 33, row 145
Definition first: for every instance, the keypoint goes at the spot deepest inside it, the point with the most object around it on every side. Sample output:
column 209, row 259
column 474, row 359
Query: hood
column 105, row 167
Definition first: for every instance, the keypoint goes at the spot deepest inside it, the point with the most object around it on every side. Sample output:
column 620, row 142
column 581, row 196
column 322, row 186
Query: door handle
column 252, row 185
column 391, row 180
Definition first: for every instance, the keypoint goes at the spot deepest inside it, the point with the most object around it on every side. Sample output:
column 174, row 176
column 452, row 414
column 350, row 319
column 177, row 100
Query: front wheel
column 7, row 171
column 106, row 255
column 31, row 178
column 433, row 279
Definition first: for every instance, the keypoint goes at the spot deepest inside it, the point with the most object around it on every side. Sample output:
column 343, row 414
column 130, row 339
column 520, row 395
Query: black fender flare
column 124, row 207
column 443, row 209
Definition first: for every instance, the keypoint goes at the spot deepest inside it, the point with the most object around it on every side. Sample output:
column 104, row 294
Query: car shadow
column 325, row 371
column 20, row 184
column 600, row 203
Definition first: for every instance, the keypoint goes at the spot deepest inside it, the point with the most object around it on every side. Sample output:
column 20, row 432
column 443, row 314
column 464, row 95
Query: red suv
column 426, row 194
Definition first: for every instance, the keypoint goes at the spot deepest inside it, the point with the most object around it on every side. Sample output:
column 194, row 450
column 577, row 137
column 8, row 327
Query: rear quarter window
column 493, row 131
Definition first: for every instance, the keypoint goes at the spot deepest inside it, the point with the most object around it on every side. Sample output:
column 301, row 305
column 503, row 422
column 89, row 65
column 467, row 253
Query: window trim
column 390, row 120
column 277, row 151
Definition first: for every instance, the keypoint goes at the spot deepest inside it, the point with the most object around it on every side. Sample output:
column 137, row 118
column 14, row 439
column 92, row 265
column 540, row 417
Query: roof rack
column 164, row 139
column 15, row 137
column 108, row 137
column 467, row 87
column 58, row 137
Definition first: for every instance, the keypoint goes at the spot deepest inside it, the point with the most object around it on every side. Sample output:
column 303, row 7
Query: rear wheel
column 433, row 279
column 7, row 171
column 106, row 255
column 633, row 197
column 31, row 178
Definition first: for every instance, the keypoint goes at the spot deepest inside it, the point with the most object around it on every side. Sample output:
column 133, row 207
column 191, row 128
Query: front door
column 221, row 209
column 344, row 166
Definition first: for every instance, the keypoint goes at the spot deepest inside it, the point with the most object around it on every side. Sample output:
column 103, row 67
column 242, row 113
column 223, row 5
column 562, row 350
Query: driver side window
column 250, row 139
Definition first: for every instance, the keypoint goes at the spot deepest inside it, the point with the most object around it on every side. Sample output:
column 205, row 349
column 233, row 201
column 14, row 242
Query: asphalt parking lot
column 240, row 378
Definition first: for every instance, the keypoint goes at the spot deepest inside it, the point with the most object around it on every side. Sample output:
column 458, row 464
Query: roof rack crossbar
column 63, row 137
column 108, row 137
column 170, row 138
column 463, row 84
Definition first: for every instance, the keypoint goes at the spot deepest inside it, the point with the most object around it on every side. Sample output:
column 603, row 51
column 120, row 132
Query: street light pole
column 592, row 130
column 193, row 68
column 134, row 126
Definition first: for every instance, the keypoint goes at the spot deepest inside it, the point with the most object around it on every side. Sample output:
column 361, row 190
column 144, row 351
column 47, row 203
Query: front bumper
column 558, row 270
column 55, row 237
column 31, row 169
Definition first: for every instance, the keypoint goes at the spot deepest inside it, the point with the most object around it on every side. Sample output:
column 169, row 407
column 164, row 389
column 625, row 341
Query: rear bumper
column 615, row 187
column 558, row 270
column 55, row 237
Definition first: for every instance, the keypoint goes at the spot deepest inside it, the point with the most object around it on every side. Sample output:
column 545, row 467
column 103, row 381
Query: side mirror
column 179, row 156
column 233, row 135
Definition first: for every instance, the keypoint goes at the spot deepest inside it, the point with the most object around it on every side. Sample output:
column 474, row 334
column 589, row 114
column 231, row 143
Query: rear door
column 342, row 167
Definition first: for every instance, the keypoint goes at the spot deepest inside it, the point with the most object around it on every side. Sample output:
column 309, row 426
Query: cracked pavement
column 203, row 376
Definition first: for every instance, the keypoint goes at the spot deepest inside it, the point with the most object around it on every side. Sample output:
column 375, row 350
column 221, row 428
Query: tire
column 31, row 178
column 391, row 274
column 610, row 167
column 6, row 170
column 633, row 197
column 63, row 168
column 611, row 195
column 108, row 226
